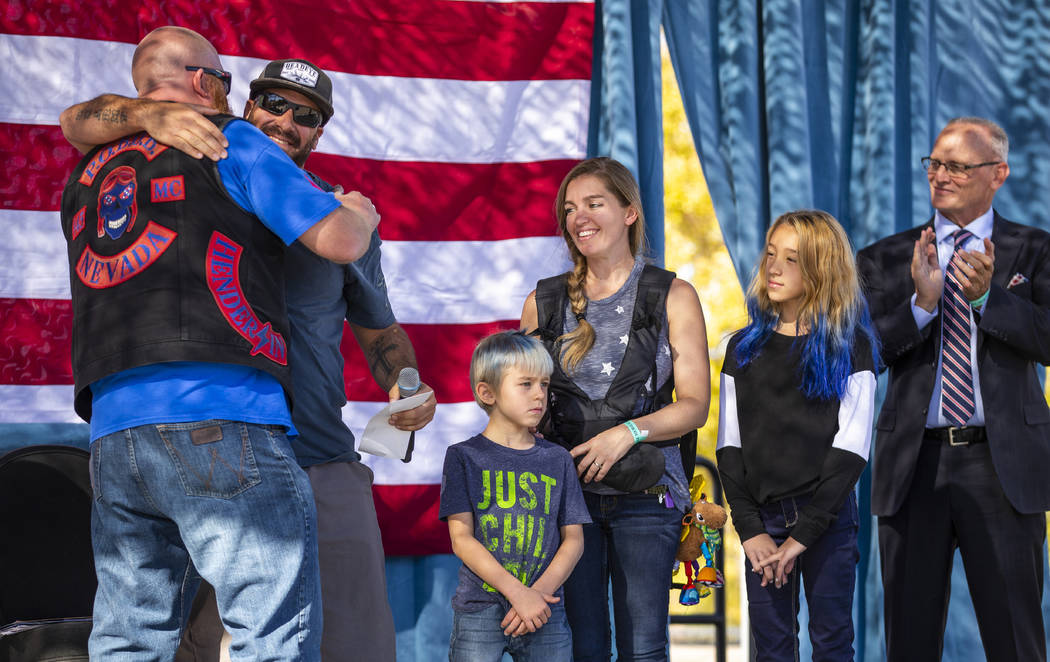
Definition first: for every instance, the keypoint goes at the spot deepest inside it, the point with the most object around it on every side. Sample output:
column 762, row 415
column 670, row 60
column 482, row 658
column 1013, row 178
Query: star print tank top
column 611, row 319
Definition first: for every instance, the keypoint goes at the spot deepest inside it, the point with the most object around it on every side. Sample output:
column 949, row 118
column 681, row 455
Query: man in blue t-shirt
column 191, row 465
column 290, row 102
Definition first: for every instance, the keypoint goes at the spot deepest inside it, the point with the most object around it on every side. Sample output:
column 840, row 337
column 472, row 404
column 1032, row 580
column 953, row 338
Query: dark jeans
column 827, row 569
column 631, row 543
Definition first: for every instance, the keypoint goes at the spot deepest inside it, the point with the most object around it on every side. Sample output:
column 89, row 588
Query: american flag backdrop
column 457, row 118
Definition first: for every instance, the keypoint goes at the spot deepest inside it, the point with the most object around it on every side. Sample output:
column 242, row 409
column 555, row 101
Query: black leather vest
column 573, row 417
column 165, row 266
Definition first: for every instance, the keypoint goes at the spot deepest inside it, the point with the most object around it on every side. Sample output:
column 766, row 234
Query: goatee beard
column 218, row 99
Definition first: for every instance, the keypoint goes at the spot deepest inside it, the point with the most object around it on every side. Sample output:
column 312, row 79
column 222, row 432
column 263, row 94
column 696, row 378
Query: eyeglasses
column 225, row 76
column 302, row 115
column 957, row 170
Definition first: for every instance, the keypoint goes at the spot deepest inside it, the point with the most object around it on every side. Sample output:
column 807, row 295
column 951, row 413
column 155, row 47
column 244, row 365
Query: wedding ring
column 597, row 464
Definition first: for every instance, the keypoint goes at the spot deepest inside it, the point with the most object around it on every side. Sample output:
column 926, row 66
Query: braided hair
column 621, row 184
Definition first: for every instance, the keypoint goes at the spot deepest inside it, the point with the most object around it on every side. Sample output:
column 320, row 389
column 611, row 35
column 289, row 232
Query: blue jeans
column 224, row 496
column 478, row 637
column 631, row 541
column 828, row 569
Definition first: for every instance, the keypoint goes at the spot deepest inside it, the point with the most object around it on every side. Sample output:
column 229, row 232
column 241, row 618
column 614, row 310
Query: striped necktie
column 957, row 403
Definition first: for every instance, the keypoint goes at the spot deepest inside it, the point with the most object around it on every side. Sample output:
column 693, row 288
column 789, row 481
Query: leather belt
column 963, row 436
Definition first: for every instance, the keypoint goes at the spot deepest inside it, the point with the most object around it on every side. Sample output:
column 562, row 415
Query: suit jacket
column 1013, row 335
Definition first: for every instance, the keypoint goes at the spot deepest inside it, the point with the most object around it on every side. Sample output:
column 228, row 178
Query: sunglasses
column 278, row 105
column 225, row 76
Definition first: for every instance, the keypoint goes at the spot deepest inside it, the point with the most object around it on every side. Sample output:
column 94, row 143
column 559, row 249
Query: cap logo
column 300, row 73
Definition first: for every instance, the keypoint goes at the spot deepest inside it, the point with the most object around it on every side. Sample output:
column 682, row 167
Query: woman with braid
column 623, row 336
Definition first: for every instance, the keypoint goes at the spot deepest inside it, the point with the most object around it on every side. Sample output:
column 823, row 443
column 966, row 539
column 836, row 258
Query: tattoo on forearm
column 387, row 354
column 109, row 116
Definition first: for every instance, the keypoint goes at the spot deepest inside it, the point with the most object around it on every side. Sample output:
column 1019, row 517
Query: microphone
column 407, row 382
column 407, row 385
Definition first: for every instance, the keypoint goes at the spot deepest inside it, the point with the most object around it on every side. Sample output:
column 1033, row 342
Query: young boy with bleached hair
column 515, row 512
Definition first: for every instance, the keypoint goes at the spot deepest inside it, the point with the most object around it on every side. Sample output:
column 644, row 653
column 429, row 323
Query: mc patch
column 222, row 265
column 102, row 271
column 167, row 189
column 117, row 203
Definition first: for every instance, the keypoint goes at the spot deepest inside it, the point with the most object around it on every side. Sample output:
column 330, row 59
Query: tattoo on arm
column 106, row 115
column 387, row 354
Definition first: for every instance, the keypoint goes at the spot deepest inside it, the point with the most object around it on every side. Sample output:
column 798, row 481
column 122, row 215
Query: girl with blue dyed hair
column 797, row 400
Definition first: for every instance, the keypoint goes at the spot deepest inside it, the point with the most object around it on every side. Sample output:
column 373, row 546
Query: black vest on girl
column 165, row 266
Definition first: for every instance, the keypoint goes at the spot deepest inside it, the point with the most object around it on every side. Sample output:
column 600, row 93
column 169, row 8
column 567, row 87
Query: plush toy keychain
column 700, row 536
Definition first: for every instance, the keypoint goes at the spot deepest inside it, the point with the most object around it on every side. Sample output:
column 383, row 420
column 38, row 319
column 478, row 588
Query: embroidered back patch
column 140, row 142
column 101, row 271
column 224, row 281
column 167, row 189
column 117, row 202
column 78, row 222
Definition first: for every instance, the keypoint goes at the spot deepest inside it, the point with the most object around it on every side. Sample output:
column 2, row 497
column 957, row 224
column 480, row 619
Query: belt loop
column 792, row 518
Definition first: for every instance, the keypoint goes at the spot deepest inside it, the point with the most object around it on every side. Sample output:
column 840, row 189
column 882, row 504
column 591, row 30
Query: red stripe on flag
column 35, row 351
column 35, row 342
column 419, row 201
column 36, row 164
column 452, row 201
column 442, row 351
column 452, row 40
column 409, row 514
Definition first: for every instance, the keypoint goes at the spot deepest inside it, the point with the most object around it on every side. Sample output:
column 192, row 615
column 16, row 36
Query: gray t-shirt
column 519, row 499
column 611, row 318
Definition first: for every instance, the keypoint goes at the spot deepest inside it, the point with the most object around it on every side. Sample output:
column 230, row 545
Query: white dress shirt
column 981, row 229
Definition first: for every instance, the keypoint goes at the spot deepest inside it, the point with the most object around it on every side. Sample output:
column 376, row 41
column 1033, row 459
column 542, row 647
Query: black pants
column 956, row 500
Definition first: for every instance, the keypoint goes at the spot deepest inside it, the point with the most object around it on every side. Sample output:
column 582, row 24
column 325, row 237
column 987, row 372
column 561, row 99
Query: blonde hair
column 831, row 288
column 833, row 307
column 620, row 182
column 497, row 353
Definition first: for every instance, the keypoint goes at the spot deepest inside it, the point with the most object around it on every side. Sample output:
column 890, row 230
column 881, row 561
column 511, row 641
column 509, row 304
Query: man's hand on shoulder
column 110, row 117
column 184, row 127
column 360, row 206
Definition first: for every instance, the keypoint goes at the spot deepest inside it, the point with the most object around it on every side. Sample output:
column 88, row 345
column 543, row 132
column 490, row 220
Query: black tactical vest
column 573, row 417
column 165, row 266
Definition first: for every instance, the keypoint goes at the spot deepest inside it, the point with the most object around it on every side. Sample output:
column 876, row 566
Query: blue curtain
column 827, row 104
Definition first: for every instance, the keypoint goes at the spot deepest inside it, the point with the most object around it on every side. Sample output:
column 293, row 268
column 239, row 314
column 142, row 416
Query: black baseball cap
column 299, row 75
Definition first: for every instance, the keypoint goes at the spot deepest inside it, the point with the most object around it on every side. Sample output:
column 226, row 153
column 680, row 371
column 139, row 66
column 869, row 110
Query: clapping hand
column 926, row 271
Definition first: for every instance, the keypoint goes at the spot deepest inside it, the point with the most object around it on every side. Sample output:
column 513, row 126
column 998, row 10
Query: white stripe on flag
column 453, row 422
column 37, row 404
column 467, row 281
column 390, row 118
column 34, row 264
column 430, row 282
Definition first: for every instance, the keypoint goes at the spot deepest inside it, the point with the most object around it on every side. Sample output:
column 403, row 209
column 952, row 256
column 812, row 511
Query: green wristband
column 977, row 303
column 635, row 432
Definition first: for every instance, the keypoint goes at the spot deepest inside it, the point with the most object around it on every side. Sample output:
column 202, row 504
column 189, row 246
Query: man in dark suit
column 962, row 453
